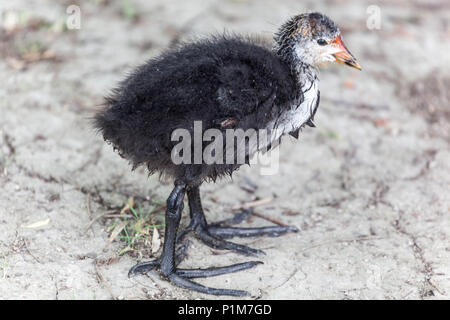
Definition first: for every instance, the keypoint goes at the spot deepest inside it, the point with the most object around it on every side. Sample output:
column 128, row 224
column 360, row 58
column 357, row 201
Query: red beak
column 344, row 55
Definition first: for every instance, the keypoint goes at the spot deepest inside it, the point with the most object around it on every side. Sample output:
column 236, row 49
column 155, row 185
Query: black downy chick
column 223, row 82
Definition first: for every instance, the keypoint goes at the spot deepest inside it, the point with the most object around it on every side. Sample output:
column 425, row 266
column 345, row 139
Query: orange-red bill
column 344, row 55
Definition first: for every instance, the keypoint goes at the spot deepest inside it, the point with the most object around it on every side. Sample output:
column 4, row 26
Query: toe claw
column 143, row 267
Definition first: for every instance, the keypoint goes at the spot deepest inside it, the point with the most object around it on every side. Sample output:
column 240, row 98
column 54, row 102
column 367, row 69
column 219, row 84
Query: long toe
column 215, row 271
column 221, row 244
column 188, row 284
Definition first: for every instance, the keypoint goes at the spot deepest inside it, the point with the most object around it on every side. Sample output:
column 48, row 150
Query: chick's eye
column 322, row 42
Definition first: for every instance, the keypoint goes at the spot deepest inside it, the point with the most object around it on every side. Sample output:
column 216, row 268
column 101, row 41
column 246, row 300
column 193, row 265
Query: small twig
column 117, row 230
column 435, row 285
column 273, row 220
column 248, row 189
column 289, row 278
column 9, row 144
column 29, row 252
column 103, row 280
column 366, row 238
column 110, row 216
column 252, row 204
column 88, row 206
column 98, row 217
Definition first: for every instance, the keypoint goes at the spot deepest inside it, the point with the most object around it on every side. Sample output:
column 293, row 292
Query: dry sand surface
column 369, row 187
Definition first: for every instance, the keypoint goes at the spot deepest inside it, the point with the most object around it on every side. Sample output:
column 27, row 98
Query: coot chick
column 221, row 83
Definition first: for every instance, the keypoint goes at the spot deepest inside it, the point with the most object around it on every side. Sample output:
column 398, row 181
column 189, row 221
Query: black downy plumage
column 210, row 81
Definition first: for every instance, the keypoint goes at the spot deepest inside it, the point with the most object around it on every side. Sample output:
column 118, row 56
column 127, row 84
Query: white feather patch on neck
column 296, row 116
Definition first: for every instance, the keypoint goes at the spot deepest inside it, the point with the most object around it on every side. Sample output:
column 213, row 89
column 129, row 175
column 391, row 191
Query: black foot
column 213, row 234
column 180, row 277
column 210, row 235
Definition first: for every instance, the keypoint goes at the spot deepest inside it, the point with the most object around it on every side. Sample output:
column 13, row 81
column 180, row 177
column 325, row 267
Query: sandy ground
column 369, row 188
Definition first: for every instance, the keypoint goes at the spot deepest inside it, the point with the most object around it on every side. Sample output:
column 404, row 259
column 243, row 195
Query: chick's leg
column 167, row 262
